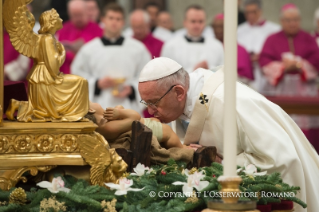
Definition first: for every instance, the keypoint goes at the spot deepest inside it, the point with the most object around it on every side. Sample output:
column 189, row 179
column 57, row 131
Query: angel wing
column 96, row 153
column 19, row 23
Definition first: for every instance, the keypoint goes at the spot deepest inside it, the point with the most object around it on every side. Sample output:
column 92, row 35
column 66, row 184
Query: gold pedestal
column 230, row 194
column 41, row 147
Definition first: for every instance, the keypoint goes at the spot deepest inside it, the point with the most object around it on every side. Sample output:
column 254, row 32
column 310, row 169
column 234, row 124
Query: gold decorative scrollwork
column 23, row 143
column 3, row 144
column 45, row 143
column 68, row 143
column 11, row 177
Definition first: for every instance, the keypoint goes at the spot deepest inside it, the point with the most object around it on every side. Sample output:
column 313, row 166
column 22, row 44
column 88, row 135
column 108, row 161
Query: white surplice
column 189, row 54
column 207, row 33
column 96, row 60
column 162, row 34
column 266, row 137
column 253, row 37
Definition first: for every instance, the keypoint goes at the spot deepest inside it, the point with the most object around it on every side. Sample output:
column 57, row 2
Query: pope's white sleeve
column 80, row 66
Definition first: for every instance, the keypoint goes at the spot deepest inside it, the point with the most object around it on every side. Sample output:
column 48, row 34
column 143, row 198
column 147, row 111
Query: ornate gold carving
column 45, row 143
column 68, row 143
column 106, row 164
column 40, row 143
column 64, row 98
column 3, row 144
column 22, row 143
column 11, row 177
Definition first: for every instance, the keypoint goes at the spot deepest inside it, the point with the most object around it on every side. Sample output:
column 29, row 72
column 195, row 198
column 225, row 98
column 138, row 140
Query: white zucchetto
column 158, row 68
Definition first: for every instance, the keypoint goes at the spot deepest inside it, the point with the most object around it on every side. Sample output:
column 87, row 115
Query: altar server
column 107, row 61
column 193, row 50
column 253, row 33
column 290, row 63
column 266, row 135
column 76, row 32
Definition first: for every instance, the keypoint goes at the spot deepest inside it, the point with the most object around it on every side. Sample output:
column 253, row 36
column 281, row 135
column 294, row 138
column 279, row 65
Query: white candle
column 230, row 130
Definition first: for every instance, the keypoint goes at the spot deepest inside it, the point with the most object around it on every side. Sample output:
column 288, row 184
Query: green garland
column 84, row 197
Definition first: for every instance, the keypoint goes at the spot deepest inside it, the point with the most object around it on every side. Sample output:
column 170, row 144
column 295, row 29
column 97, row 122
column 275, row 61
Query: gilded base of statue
column 41, row 147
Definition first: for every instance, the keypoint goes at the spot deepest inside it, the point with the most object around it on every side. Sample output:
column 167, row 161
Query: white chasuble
column 266, row 137
column 98, row 59
column 189, row 54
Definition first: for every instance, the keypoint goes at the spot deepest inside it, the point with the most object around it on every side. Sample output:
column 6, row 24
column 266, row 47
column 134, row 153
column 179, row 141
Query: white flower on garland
column 56, row 186
column 193, row 181
column 140, row 170
column 251, row 171
column 123, row 187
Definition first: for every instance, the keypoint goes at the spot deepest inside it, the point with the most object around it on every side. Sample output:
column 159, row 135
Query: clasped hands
column 291, row 62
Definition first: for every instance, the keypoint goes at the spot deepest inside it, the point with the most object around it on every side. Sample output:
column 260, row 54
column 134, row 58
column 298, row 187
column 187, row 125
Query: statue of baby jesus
column 115, row 121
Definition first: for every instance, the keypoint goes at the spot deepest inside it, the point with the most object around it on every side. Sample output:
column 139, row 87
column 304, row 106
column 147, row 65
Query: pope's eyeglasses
column 154, row 105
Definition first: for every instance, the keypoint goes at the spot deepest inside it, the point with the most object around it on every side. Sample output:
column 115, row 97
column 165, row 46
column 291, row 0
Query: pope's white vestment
column 266, row 137
column 100, row 58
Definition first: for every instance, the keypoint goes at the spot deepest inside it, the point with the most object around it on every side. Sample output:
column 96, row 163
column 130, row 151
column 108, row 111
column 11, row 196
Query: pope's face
column 195, row 21
column 170, row 107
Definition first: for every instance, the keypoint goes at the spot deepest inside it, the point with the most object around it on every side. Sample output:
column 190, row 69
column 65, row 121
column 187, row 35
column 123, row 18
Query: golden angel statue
column 53, row 96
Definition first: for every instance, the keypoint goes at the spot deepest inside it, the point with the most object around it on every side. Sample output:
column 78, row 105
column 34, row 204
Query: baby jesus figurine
column 113, row 122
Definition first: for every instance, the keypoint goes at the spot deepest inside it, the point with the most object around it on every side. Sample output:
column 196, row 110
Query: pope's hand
column 195, row 146
column 111, row 114
column 125, row 92
column 106, row 82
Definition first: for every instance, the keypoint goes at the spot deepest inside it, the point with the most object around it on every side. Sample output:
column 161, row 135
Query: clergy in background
column 165, row 27
column 194, row 50
column 140, row 24
column 266, row 135
column 164, row 20
column 252, row 35
column 290, row 63
column 112, row 64
column 244, row 66
column 157, row 31
column 77, row 31
column 93, row 10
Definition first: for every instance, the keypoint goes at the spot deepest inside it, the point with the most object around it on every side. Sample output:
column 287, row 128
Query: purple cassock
column 10, row 53
column 303, row 49
column 70, row 34
column 245, row 69
column 153, row 45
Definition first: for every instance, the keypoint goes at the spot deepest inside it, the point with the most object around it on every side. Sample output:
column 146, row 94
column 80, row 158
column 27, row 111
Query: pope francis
column 267, row 136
